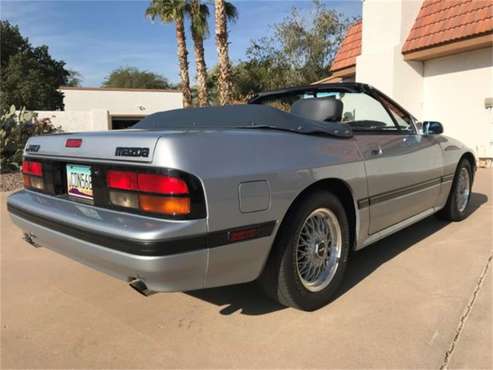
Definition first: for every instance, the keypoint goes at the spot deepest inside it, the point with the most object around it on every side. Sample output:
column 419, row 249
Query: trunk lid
column 127, row 145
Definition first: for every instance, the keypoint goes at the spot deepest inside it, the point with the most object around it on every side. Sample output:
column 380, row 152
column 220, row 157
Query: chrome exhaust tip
column 141, row 287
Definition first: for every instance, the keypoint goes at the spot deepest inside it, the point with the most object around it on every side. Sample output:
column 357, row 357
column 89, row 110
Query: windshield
column 357, row 109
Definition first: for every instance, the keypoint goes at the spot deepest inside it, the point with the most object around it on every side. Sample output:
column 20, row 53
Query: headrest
column 319, row 109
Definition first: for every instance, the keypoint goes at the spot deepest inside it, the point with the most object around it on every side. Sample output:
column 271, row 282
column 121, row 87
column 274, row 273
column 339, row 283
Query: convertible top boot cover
column 246, row 116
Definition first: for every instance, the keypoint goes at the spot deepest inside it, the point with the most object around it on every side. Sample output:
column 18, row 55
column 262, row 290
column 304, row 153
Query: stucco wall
column 76, row 121
column 88, row 109
column 130, row 102
column 455, row 88
column 386, row 25
column 451, row 89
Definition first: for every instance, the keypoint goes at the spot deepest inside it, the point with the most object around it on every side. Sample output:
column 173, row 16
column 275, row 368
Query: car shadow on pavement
column 249, row 300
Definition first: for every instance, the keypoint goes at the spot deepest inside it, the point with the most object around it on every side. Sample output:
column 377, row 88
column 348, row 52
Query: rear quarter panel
column 288, row 162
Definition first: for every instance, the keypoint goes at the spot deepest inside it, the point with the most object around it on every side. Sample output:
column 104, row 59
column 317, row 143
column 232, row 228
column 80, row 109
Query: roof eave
column 450, row 48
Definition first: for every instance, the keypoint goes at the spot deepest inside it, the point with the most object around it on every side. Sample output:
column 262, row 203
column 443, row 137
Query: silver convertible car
column 279, row 190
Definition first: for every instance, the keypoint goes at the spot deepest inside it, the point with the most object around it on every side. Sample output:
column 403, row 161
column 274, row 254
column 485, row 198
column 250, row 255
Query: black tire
column 280, row 278
column 451, row 212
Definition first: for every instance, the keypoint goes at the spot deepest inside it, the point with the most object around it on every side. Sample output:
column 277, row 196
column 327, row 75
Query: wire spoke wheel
column 318, row 249
column 463, row 189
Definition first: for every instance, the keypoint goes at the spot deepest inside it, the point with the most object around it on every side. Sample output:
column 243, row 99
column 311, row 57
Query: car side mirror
column 432, row 128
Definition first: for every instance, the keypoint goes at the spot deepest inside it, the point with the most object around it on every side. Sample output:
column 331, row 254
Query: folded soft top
column 248, row 116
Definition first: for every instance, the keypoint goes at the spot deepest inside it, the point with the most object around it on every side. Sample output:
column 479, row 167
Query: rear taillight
column 33, row 175
column 32, row 168
column 149, row 192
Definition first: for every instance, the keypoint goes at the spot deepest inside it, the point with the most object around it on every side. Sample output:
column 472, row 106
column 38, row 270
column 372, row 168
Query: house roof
column 350, row 48
column 440, row 22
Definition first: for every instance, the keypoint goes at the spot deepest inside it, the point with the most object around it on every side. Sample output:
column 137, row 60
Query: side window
column 363, row 113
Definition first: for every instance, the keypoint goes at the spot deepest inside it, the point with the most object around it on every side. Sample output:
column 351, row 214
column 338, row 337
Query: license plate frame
column 80, row 182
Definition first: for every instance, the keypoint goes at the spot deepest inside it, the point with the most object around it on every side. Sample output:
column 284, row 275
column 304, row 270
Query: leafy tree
column 173, row 11
column 131, row 77
column 11, row 42
column 74, row 78
column 299, row 52
column 16, row 127
column 29, row 76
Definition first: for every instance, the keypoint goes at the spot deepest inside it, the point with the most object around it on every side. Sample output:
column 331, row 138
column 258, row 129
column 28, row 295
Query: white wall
column 451, row 89
column 76, row 121
column 88, row 109
column 386, row 25
column 123, row 102
column 455, row 88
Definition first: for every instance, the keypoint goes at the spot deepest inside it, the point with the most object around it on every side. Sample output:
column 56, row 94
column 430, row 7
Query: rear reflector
column 32, row 168
column 73, row 143
column 165, row 205
column 236, row 236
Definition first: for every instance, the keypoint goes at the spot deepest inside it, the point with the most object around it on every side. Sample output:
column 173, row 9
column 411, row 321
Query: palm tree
column 224, row 11
column 173, row 11
column 199, row 12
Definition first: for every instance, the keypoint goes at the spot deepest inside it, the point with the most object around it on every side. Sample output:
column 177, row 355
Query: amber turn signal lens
column 27, row 181
column 164, row 205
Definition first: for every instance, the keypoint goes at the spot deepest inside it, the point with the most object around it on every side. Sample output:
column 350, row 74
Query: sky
column 95, row 37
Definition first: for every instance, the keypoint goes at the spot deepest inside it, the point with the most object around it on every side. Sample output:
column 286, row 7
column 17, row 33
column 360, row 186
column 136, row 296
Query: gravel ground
column 10, row 181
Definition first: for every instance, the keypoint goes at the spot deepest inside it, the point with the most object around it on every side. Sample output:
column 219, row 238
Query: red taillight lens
column 151, row 183
column 146, row 182
column 149, row 192
column 73, row 143
column 124, row 180
column 32, row 168
column 33, row 175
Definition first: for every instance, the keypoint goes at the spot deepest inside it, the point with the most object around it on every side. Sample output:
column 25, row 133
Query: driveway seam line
column 465, row 315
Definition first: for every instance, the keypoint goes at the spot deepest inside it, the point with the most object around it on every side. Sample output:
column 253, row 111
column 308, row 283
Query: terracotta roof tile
column 443, row 21
column 350, row 48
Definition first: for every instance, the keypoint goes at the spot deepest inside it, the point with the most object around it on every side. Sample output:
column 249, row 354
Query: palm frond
column 199, row 14
column 231, row 11
column 167, row 10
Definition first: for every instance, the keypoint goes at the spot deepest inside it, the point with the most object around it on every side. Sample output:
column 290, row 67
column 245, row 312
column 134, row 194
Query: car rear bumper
column 166, row 255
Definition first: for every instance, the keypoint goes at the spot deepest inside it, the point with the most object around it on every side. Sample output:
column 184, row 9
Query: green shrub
column 15, row 129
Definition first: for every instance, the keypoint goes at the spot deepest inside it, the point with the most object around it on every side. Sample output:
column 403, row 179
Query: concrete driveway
column 419, row 299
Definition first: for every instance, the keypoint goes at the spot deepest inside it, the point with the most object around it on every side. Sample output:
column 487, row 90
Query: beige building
column 94, row 109
column 435, row 57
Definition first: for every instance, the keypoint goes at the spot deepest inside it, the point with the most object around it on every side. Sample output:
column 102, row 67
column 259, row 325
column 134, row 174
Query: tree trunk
column 224, row 81
column 202, row 93
column 183, row 61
